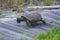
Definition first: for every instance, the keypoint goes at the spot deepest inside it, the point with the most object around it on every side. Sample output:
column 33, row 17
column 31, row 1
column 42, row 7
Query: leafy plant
column 7, row 4
column 0, row 12
column 31, row 5
column 19, row 2
column 23, row 38
column 45, row 2
column 16, row 14
column 53, row 34
column 48, row 2
column 0, row 36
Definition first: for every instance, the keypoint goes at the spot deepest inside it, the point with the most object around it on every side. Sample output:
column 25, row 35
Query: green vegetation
column 7, row 4
column 48, row 2
column 45, row 2
column 10, row 3
column 31, row 5
column 0, row 12
column 0, row 36
column 18, row 2
column 16, row 14
column 53, row 34
column 22, row 38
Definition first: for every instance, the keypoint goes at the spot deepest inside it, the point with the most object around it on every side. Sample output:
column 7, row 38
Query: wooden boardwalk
column 52, row 17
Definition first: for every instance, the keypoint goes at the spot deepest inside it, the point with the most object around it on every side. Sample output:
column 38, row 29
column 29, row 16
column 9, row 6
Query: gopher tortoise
column 31, row 18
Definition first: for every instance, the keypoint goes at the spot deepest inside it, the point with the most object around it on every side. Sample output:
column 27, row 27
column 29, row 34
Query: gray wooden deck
column 52, row 17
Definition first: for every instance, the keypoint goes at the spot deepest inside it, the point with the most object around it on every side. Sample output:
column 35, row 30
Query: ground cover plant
column 53, row 34
column 0, row 36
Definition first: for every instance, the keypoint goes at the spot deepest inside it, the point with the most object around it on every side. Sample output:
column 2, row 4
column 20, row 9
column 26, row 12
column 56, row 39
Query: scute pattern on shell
column 35, row 16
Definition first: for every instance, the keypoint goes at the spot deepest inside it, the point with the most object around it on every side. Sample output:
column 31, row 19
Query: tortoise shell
column 32, row 17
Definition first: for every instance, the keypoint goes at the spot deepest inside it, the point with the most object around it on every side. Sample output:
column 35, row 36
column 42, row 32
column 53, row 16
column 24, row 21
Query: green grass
column 16, row 14
column 53, row 34
column 0, row 36
column 22, row 38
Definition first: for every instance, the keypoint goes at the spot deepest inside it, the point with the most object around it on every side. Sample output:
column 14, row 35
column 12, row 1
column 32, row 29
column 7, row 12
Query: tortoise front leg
column 28, row 23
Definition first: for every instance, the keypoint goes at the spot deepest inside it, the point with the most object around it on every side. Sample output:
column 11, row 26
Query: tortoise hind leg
column 43, row 21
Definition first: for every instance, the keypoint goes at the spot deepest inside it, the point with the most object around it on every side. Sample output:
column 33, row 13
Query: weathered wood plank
column 45, row 7
column 52, row 19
